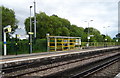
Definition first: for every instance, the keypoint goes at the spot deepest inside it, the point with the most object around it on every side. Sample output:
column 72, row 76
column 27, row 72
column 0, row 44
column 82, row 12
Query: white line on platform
column 49, row 55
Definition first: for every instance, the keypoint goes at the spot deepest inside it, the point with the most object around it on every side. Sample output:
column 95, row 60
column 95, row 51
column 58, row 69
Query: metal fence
column 23, row 47
column 40, row 45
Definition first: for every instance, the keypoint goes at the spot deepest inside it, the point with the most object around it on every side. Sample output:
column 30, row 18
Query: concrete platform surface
column 117, row 76
column 35, row 56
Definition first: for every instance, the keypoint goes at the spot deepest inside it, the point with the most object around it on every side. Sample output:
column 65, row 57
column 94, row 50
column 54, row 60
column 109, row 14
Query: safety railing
column 61, row 43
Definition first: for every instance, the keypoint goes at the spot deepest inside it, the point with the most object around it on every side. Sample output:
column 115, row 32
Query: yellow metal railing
column 61, row 43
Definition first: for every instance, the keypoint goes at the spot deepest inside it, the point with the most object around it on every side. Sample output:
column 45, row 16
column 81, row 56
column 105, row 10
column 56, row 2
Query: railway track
column 36, row 68
column 107, row 62
column 83, row 71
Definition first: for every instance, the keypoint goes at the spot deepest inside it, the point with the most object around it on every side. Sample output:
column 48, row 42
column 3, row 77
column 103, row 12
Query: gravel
column 108, row 72
column 65, row 67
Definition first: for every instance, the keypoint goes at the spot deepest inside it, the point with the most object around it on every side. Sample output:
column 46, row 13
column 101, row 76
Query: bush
column 40, row 45
column 22, row 47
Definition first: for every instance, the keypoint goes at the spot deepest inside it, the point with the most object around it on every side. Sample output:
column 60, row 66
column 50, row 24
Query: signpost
column 30, row 41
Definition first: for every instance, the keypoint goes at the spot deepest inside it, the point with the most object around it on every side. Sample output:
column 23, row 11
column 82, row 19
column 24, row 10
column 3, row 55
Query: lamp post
column 6, row 29
column 106, row 35
column 5, row 47
column 30, row 39
column 88, row 32
column 34, row 19
column 106, row 29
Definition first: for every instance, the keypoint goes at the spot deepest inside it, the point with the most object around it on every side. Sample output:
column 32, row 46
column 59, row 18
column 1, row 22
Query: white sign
column 116, row 40
column 30, row 33
column 88, row 37
column 105, row 39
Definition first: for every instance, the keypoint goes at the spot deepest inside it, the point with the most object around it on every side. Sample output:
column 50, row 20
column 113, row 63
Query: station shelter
column 61, row 43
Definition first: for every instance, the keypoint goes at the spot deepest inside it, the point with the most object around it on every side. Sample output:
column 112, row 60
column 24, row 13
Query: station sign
column 30, row 33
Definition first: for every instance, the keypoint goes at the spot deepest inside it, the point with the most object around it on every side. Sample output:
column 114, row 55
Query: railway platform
column 48, row 63
column 117, row 76
column 12, row 60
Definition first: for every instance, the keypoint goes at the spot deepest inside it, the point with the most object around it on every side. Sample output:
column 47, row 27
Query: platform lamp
column 30, row 34
column 88, row 31
column 106, row 34
column 34, row 19
column 6, row 29
column 106, row 29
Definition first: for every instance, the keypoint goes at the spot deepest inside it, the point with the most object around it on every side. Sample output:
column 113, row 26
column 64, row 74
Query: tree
column 57, row 26
column 8, row 18
column 76, row 31
column 42, row 25
column 118, row 35
column 97, row 35
column 53, row 25
column 108, row 38
column 64, row 31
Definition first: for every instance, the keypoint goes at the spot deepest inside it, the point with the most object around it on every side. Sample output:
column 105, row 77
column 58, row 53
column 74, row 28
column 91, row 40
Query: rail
column 27, row 67
column 94, row 69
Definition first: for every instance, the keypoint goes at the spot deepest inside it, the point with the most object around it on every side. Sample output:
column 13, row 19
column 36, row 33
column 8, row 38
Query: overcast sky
column 103, row 12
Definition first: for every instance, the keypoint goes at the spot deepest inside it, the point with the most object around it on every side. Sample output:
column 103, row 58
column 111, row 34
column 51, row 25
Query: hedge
column 22, row 47
column 40, row 45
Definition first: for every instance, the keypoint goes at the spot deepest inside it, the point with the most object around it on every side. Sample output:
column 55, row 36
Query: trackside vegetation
column 55, row 26
column 22, row 47
column 41, row 46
